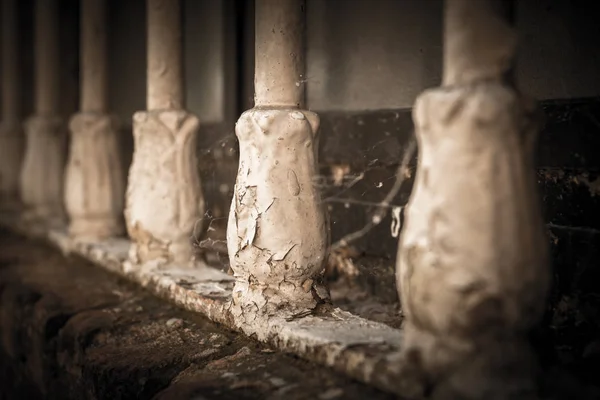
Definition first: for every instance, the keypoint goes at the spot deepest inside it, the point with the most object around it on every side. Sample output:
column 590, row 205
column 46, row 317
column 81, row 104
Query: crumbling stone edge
column 364, row 350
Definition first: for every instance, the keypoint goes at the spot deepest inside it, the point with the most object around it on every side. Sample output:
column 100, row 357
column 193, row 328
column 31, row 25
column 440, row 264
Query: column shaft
column 46, row 58
column 280, row 47
column 94, row 84
column 165, row 62
column 467, row 55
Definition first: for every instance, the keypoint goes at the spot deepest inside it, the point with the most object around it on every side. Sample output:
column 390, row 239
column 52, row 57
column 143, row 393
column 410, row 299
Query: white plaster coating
column 42, row 174
column 277, row 235
column 164, row 198
column 362, row 349
column 94, row 186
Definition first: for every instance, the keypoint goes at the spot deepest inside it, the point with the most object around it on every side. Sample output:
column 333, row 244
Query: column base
column 252, row 302
column 94, row 188
column 164, row 198
column 277, row 234
column 472, row 262
column 95, row 228
column 42, row 174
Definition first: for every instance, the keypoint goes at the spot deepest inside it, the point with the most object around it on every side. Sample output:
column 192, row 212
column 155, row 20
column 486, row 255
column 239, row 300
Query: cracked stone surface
column 69, row 330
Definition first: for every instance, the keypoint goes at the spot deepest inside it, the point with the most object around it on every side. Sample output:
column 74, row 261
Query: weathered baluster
column 94, row 188
column 42, row 175
column 277, row 234
column 164, row 198
column 472, row 265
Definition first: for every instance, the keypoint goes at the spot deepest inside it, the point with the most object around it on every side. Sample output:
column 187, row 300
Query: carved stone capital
column 277, row 234
column 473, row 264
column 11, row 158
column 164, row 198
column 43, row 167
column 94, row 187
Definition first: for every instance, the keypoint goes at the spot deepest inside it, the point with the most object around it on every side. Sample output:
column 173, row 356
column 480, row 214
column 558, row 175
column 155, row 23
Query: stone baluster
column 164, row 199
column 94, row 187
column 473, row 267
column 11, row 132
column 277, row 233
column 42, row 174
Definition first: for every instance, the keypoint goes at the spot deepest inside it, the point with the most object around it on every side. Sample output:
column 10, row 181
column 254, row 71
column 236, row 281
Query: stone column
column 11, row 133
column 43, row 168
column 277, row 233
column 473, row 268
column 164, row 198
column 94, row 187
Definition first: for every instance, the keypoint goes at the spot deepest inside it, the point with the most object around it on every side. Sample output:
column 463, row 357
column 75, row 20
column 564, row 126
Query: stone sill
column 365, row 350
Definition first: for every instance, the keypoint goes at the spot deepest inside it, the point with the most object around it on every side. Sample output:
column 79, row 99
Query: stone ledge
column 63, row 318
column 362, row 349
column 70, row 330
